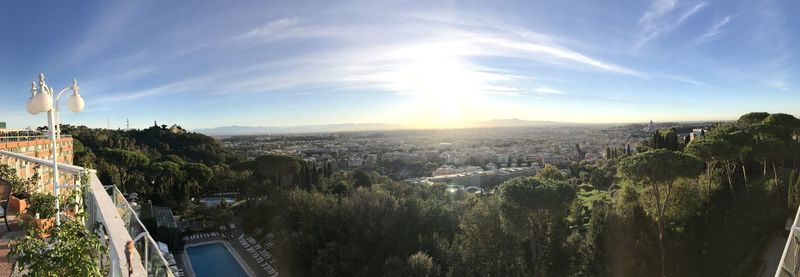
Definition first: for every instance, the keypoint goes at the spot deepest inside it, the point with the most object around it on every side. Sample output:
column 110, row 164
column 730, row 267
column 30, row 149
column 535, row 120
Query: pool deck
column 234, row 251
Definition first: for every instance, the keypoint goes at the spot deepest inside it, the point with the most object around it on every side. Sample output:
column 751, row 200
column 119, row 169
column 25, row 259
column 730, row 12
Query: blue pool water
column 214, row 260
column 216, row 201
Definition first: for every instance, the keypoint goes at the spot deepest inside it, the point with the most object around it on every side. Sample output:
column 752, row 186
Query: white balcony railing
column 790, row 259
column 104, row 216
column 152, row 259
column 17, row 138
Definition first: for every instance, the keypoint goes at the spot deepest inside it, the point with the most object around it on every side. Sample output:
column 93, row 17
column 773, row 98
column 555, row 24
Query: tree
column 534, row 208
column 714, row 151
column 549, row 171
column 278, row 170
column 752, row 118
column 197, row 173
column 659, row 169
column 339, row 260
column 742, row 141
column 665, row 139
column 783, row 125
column 794, row 192
column 770, row 150
column 421, row 264
column 165, row 175
column 361, row 179
column 592, row 248
column 485, row 247
column 172, row 158
column 126, row 161
column 394, row 267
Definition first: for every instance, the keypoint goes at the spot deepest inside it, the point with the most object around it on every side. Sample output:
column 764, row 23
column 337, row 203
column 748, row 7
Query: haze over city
column 438, row 138
column 418, row 64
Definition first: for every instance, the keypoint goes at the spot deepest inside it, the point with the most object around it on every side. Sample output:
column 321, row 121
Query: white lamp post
column 42, row 101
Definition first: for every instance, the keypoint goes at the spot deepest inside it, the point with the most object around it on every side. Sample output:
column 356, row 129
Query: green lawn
column 588, row 194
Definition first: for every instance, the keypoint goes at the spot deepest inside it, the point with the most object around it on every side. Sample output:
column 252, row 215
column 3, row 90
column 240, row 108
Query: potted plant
column 21, row 189
column 77, row 251
column 20, row 192
column 70, row 198
column 41, row 211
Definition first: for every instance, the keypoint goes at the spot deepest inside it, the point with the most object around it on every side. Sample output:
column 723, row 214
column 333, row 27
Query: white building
column 697, row 133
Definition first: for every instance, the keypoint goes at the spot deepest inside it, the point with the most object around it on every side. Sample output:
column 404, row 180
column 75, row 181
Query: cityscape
column 399, row 138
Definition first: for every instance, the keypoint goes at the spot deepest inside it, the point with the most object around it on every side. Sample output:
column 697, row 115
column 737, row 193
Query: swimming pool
column 214, row 259
column 216, row 201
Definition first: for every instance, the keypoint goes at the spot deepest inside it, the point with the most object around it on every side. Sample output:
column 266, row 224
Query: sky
column 422, row 64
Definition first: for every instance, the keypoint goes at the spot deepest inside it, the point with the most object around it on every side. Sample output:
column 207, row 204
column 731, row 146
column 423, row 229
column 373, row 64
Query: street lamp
column 42, row 101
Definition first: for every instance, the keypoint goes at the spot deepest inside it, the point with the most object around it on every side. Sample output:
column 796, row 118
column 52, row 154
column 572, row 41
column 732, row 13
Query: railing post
column 146, row 263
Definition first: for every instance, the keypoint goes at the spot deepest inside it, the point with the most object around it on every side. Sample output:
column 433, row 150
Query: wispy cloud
column 436, row 56
column 165, row 89
column 661, row 17
column 713, row 32
column 685, row 79
column 276, row 29
column 431, row 57
column 779, row 84
column 546, row 90
column 779, row 81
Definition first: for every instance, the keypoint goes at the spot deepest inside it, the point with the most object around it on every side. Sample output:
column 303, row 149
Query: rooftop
column 121, row 223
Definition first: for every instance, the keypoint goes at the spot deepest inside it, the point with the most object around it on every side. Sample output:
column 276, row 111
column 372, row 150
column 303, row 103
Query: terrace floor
column 6, row 262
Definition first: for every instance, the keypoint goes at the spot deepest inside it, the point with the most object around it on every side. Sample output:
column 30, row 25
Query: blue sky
column 415, row 63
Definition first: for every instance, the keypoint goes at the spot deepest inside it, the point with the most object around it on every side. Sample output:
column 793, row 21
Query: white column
column 54, row 151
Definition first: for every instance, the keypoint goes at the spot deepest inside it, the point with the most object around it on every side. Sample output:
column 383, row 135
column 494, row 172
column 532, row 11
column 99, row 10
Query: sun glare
column 446, row 89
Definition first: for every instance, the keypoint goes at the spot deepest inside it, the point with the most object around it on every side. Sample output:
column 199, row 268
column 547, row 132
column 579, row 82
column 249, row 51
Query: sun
column 446, row 89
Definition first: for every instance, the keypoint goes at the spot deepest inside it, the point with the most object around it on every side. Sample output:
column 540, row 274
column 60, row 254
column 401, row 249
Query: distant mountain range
column 345, row 127
column 326, row 128
column 515, row 122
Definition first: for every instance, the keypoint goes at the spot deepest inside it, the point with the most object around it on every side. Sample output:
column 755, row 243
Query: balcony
column 790, row 259
column 107, row 208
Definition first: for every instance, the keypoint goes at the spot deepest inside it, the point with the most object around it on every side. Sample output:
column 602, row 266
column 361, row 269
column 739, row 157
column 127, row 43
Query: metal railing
column 17, row 138
column 105, row 218
column 152, row 258
column 790, row 259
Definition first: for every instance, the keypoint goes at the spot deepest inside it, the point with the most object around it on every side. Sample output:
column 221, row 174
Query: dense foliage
column 69, row 249
column 166, row 165
column 705, row 207
column 702, row 207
